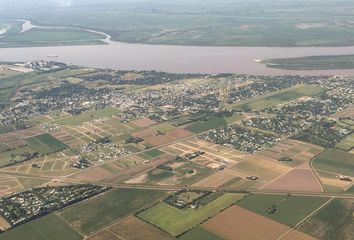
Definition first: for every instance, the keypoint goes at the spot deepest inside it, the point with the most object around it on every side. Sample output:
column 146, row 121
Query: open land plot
column 104, row 235
column 9, row 185
column 297, row 235
column 176, row 172
column 297, row 180
column 290, row 210
column 133, row 228
column 335, row 161
column 136, row 167
column 276, row 98
column 237, row 223
column 216, row 180
column 346, row 113
column 347, row 143
column 14, row 156
column 41, row 228
column 45, row 144
column 199, row 233
column 333, row 221
column 92, row 215
column 298, row 152
column 263, row 169
column 143, row 122
column 92, row 174
column 176, row 221
column 331, row 183
column 88, row 116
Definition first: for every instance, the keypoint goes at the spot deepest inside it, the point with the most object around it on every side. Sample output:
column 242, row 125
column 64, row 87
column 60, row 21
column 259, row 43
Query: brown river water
column 179, row 59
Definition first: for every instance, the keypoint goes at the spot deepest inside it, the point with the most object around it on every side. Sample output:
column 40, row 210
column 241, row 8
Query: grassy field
column 312, row 62
column 334, row 221
column 199, row 233
column 336, row 161
column 51, row 37
column 7, row 157
column 94, row 214
column 347, row 143
column 87, row 116
column 281, row 97
column 176, row 221
column 210, row 123
column 290, row 211
column 41, row 228
column 45, row 144
column 153, row 153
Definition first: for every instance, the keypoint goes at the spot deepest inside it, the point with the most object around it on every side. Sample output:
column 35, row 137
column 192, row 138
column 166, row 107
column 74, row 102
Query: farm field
column 290, row 210
column 335, row 161
column 41, row 228
column 335, row 221
column 45, row 144
column 92, row 215
column 347, row 143
column 238, row 223
column 176, row 221
column 199, row 233
column 297, row 180
column 210, row 123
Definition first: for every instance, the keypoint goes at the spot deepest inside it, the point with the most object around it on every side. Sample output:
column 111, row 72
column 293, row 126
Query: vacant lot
column 290, row 210
column 176, row 221
column 238, row 223
column 335, row 161
column 41, row 228
column 45, row 144
column 334, row 221
column 92, row 215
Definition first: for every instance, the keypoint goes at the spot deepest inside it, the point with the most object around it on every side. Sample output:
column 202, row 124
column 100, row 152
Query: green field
column 312, row 62
column 290, row 211
column 210, row 123
column 51, row 37
column 94, row 214
column 153, row 153
column 334, row 221
column 199, row 233
column 41, row 229
column 45, row 144
column 13, row 155
column 282, row 96
column 347, row 143
column 87, row 116
column 176, row 221
column 336, row 161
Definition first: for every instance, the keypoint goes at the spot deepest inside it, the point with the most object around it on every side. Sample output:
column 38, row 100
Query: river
column 179, row 59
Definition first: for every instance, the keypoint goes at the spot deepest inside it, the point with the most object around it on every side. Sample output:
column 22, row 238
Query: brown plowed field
column 296, row 180
column 237, row 223
column 296, row 235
